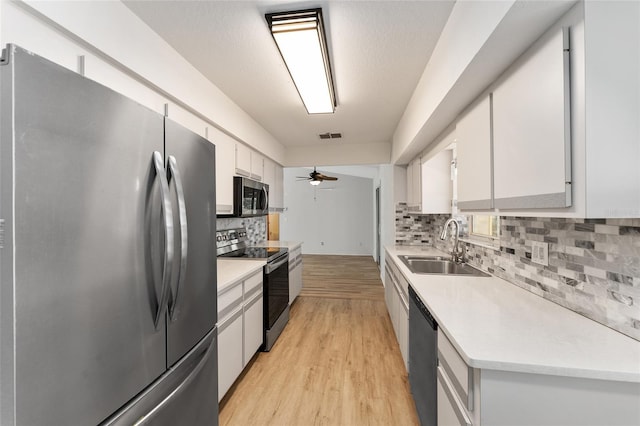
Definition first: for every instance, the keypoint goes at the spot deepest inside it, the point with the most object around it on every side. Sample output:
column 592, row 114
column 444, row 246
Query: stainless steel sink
column 439, row 265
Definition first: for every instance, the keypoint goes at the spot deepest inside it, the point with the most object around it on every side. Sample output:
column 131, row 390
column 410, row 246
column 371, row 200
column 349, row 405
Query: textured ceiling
column 378, row 49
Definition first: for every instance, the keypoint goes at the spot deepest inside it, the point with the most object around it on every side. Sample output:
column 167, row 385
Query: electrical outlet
column 540, row 253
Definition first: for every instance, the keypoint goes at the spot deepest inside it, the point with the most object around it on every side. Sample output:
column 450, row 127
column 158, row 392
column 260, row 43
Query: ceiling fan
column 315, row 177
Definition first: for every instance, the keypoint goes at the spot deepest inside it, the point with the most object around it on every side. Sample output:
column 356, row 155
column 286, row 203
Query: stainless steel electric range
column 233, row 243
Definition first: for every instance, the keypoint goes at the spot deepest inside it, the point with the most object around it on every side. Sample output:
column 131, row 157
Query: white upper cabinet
column 243, row 160
column 474, row 160
column 225, row 154
column 248, row 162
column 437, row 186
column 273, row 176
column 414, row 185
column 257, row 166
column 277, row 199
column 531, row 128
column 269, row 174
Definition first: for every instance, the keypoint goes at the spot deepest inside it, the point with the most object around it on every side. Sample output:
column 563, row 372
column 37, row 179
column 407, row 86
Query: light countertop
column 496, row 325
column 233, row 270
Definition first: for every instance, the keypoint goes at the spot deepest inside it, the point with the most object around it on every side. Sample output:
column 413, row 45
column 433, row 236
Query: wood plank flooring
column 337, row 361
column 341, row 277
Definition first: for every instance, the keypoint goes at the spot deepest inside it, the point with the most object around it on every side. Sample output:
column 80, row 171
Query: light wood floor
column 337, row 361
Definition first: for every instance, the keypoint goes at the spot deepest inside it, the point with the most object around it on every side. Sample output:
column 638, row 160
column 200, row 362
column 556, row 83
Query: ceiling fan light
column 302, row 44
column 314, row 182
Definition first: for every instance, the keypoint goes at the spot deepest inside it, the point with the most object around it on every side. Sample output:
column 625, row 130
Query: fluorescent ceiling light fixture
column 302, row 44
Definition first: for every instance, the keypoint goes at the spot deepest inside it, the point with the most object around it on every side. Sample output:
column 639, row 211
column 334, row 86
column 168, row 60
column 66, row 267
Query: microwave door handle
column 174, row 173
column 265, row 206
column 167, row 214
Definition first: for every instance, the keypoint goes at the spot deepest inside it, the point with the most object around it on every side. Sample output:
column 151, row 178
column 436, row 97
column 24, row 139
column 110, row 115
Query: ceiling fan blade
column 324, row 177
column 303, row 177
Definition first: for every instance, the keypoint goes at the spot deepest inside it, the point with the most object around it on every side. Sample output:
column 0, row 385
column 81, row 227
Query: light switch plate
column 540, row 253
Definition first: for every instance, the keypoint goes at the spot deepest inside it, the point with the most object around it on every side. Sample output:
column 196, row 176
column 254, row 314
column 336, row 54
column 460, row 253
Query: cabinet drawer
column 229, row 299
column 460, row 374
column 252, row 284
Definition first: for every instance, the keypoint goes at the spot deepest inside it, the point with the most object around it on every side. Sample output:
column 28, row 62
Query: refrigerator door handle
column 158, row 164
column 148, row 417
column 174, row 173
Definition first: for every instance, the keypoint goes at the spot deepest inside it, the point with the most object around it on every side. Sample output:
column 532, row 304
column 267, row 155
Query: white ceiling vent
column 330, row 135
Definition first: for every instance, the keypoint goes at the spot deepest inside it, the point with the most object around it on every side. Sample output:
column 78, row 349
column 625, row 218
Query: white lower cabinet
column 240, row 328
column 450, row 410
column 253, row 317
column 396, row 297
column 295, row 274
column 472, row 396
column 229, row 351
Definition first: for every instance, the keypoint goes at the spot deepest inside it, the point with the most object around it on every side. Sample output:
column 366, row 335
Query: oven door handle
column 273, row 266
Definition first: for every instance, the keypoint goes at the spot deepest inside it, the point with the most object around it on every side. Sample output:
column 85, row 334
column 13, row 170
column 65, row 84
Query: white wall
column 335, row 153
column 331, row 218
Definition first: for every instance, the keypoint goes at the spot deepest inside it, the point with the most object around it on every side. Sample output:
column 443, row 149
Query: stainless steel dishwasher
column 423, row 359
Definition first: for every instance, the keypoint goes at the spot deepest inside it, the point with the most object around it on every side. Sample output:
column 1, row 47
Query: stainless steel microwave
column 250, row 198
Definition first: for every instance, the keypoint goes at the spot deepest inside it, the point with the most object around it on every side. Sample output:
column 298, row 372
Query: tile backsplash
column 256, row 226
column 594, row 264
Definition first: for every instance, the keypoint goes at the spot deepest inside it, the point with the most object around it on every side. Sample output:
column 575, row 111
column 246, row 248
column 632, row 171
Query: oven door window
column 277, row 293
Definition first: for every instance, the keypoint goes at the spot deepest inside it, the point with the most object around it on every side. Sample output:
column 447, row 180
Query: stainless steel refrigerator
column 107, row 256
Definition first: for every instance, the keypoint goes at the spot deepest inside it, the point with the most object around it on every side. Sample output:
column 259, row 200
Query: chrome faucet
column 457, row 255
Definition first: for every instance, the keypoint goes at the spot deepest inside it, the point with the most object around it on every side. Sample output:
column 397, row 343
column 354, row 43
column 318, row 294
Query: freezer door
column 186, row 395
column 78, row 198
column 192, row 183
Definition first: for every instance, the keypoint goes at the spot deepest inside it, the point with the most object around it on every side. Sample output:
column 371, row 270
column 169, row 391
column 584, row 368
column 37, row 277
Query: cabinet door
column 437, row 187
column 395, row 319
column 389, row 290
column 243, row 160
column 225, row 161
column 229, row 351
column 403, row 326
column 531, row 129
column 269, row 175
column 410, row 199
column 257, row 166
column 253, row 326
column 474, row 158
column 417, row 182
column 414, row 184
column 450, row 411
column 277, row 199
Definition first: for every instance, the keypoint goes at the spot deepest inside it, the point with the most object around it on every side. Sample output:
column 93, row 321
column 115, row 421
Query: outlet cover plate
column 540, row 253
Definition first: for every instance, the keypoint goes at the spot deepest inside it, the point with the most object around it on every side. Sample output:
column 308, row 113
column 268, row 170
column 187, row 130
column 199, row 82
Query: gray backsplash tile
column 594, row 264
column 256, row 226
